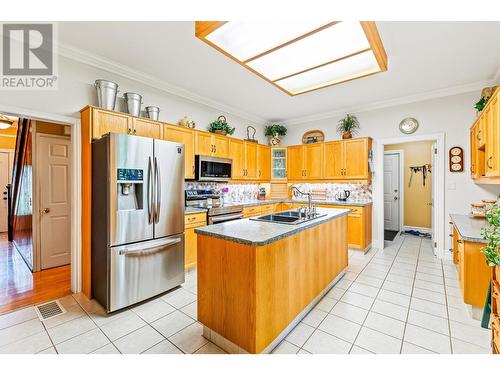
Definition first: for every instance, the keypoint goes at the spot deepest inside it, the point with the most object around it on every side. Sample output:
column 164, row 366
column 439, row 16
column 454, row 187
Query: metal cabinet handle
column 488, row 162
column 44, row 211
column 129, row 131
column 477, row 135
column 135, row 131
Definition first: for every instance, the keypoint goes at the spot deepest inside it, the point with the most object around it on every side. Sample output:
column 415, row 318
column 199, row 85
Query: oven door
column 223, row 218
column 212, row 169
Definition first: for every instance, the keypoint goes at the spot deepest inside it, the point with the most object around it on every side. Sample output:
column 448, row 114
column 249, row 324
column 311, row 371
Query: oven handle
column 140, row 250
column 218, row 219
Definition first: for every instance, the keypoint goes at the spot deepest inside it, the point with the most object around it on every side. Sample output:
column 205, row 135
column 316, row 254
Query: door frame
column 10, row 152
column 76, row 181
column 378, row 186
column 401, row 154
column 37, row 227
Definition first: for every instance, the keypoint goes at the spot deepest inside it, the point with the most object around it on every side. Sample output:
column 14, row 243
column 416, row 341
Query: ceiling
column 424, row 59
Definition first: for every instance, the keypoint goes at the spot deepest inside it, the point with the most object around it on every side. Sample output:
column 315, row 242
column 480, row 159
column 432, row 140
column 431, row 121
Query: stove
column 217, row 211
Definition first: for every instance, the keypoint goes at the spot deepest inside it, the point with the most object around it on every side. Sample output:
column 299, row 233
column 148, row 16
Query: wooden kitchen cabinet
column 473, row 274
column 186, row 137
column 191, row 222
column 104, row 121
column 485, row 143
column 347, row 159
column 146, row 128
column 210, row 144
column 251, row 169
column 263, row 162
column 237, row 153
column 305, row 162
column 334, row 160
column 359, row 225
column 295, row 157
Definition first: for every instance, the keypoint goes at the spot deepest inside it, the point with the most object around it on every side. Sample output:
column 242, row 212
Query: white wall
column 452, row 115
column 75, row 91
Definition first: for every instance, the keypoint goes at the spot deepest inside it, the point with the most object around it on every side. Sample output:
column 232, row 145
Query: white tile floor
column 397, row 300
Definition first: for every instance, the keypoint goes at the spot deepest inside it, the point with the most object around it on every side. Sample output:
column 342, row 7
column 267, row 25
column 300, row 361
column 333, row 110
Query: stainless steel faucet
column 309, row 201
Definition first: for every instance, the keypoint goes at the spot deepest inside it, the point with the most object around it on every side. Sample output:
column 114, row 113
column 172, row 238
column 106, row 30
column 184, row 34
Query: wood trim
column 203, row 28
column 371, row 32
column 290, row 42
column 324, row 64
column 86, row 204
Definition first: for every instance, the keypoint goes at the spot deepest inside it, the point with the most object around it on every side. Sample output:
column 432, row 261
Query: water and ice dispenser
column 130, row 189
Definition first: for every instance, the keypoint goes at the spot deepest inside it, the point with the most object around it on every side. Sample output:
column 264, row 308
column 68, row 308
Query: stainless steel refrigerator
column 137, row 219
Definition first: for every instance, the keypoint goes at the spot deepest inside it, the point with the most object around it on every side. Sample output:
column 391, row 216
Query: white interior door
column 53, row 164
column 4, row 180
column 391, row 191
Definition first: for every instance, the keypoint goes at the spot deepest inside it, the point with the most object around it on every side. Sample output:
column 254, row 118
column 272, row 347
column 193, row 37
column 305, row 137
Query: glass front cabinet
column 278, row 164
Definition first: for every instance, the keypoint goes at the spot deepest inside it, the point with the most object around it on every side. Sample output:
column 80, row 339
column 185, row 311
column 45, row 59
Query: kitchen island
column 257, row 280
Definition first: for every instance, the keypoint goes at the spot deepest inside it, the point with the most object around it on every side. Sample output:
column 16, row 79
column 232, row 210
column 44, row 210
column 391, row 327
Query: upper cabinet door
column 278, row 164
column 250, row 160
column 481, row 129
column 146, row 128
column 356, row 158
column 473, row 153
column 110, row 122
column 492, row 114
column 295, row 167
column 221, row 146
column 313, row 161
column 237, row 155
column 264, row 162
column 333, row 160
column 203, row 143
column 186, row 137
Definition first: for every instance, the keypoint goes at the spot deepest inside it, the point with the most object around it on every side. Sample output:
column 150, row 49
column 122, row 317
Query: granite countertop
column 469, row 227
column 193, row 210
column 259, row 233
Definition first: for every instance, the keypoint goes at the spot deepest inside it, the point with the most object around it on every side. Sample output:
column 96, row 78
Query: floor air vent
column 49, row 310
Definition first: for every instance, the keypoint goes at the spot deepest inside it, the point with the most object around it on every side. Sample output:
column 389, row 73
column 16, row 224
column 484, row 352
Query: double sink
column 289, row 217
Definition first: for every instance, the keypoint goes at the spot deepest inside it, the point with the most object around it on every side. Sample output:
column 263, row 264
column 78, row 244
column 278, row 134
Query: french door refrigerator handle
column 150, row 193
column 158, row 192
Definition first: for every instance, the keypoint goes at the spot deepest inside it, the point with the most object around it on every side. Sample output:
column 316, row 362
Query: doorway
column 431, row 224
column 35, row 256
column 393, row 193
column 6, row 157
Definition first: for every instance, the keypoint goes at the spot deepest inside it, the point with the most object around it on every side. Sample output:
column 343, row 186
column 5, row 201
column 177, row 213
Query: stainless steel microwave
column 212, row 169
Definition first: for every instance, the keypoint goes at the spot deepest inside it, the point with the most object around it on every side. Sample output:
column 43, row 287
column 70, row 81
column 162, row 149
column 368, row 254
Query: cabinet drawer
column 355, row 210
column 251, row 211
column 268, row 207
column 191, row 219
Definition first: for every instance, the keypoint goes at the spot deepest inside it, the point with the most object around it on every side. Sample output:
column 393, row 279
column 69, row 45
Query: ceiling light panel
column 299, row 56
column 244, row 40
column 343, row 70
column 332, row 43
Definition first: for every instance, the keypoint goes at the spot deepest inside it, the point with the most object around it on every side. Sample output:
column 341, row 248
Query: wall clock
column 408, row 125
column 456, row 156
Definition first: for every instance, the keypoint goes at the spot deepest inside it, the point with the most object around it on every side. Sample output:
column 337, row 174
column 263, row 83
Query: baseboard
column 420, row 229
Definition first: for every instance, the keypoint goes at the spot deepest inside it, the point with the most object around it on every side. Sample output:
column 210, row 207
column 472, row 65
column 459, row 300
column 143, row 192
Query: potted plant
column 275, row 131
column 220, row 126
column 348, row 126
column 481, row 103
column 492, row 234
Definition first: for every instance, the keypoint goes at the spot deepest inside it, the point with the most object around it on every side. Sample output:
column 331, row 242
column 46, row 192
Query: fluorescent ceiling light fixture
column 300, row 56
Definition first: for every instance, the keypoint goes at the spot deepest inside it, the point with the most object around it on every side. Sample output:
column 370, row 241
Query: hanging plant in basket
column 220, row 126
column 348, row 126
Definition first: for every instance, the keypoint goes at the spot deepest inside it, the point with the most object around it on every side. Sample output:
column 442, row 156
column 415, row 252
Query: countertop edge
column 453, row 218
column 311, row 224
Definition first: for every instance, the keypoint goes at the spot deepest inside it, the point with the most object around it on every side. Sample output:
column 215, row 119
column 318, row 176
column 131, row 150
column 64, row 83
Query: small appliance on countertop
column 343, row 195
column 217, row 211
column 262, row 194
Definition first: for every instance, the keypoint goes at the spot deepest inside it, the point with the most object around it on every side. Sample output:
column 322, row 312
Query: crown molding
column 434, row 94
column 85, row 57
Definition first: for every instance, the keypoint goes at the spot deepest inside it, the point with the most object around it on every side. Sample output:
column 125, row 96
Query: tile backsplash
column 229, row 192
column 359, row 192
